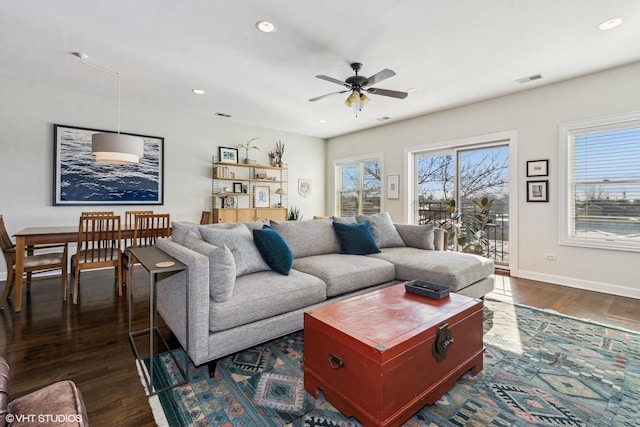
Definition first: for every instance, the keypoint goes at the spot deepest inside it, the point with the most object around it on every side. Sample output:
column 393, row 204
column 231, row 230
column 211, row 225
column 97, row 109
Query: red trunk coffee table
column 373, row 355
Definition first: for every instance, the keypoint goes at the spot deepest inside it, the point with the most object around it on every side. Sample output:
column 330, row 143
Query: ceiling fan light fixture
column 364, row 100
column 353, row 99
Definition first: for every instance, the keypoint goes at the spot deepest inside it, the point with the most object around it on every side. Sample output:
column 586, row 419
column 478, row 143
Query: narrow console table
column 157, row 262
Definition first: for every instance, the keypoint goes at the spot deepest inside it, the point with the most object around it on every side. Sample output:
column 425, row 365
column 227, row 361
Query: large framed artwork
column 79, row 180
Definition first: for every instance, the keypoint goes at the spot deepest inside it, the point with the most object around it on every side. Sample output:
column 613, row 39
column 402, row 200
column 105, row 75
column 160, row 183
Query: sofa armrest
column 440, row 239
column 171, row 299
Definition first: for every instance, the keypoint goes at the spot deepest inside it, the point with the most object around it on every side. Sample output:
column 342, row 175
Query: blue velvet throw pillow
column 274, row 249
column 355, row 239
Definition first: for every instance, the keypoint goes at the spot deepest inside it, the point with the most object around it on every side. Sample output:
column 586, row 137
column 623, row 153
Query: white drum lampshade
column 117, row 148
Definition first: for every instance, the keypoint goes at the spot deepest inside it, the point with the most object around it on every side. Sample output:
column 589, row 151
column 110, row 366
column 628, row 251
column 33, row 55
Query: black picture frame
column 79, row 180
column 538, row 191
column 237, row 187
column 537, row 168
column 228, row 155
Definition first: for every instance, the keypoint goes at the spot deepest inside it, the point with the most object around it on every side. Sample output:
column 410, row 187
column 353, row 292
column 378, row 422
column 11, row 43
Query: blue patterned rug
column 540, row 369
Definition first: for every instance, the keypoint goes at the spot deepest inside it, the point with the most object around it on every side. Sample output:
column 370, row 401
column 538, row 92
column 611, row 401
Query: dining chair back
column 97, row 213
column 35, row 261
column 147, row 230
column 130, row 222
column 98, row 246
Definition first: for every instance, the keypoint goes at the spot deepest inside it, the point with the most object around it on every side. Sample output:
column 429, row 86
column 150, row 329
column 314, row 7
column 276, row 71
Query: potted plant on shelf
column 279, row 153
column 246, row 147
column 272, row 158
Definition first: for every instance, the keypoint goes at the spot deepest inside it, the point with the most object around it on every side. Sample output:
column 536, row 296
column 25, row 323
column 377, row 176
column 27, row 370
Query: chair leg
column 7, row 289
column 76, row 279
column 64, row 283
column 119, row 278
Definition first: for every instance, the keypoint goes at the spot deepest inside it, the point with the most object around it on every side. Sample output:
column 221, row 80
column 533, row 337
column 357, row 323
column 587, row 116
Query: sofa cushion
column 454, row 269
column 274, row 249
column 308, row 237
column 265, row 294
column 222, row 266
column 383, row 230
column 355, row 239
column 240, row 241
column 346, row 273
column 417, row 236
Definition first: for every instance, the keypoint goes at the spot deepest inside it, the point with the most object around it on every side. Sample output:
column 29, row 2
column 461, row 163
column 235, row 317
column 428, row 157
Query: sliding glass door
column 451, row 185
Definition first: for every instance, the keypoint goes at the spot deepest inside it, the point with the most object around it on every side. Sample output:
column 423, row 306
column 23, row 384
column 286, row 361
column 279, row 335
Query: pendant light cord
column 83, row 57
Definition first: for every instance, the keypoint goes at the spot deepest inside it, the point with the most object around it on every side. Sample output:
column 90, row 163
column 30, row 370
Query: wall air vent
column 383, row 119
column 528, row 79
column 223, row 115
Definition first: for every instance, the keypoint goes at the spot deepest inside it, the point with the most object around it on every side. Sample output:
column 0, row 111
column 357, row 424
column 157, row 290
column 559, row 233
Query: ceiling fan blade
column 387, row 92
column 332, row 80
column 327, row 95
column 380, row 76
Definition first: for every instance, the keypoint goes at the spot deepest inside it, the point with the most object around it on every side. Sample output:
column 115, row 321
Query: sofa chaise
column 237, row 300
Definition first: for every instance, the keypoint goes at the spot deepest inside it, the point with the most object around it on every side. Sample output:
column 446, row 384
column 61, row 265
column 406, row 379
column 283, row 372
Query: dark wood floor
column 88, row 343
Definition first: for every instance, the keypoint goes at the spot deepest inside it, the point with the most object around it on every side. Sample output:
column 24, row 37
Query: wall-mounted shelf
column 234, row 193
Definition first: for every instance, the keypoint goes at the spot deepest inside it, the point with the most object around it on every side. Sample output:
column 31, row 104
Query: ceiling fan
column 358, row 84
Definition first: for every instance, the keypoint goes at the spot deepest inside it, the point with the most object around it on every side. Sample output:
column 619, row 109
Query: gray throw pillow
column 240, row 241
column 417, row 236
column 384, row 233
column 179, row 231
column 344, row 219
column 222, row 267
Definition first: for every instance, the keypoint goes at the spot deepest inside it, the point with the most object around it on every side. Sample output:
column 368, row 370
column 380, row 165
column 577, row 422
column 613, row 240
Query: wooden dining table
column 47, row 235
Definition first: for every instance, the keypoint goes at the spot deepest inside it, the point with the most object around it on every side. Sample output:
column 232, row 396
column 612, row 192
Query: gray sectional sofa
column 237, row 301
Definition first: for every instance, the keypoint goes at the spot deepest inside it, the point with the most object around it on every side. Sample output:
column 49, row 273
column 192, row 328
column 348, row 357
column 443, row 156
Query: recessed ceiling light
column 610, row 24
column 266, row 26
column 413, row 90
column 322, row 121
column 198, row 91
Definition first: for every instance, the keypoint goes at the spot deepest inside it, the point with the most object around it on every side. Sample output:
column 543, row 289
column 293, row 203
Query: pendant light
column 109, row 147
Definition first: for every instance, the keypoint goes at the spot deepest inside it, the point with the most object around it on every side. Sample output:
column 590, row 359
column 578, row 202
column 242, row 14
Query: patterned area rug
column 540, row 369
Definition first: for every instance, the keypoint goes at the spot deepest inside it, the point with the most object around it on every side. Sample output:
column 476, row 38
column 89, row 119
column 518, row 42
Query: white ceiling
column 454, row 52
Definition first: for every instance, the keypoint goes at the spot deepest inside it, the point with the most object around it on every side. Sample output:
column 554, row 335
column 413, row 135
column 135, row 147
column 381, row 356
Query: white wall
column 27, row 115
column 535, row 115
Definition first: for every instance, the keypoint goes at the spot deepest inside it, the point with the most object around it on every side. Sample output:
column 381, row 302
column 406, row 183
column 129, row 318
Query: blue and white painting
column 80, row 180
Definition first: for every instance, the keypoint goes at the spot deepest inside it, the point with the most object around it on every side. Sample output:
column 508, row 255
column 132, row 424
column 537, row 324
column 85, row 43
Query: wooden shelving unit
column 236, row 186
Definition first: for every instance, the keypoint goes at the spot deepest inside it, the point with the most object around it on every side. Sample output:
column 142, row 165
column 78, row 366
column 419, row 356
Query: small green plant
column 294, row 214
column 247, row 146
column 279, row 152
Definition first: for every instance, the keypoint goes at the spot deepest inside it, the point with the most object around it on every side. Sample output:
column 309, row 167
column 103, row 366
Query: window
column 601, row 182
column 358, row 184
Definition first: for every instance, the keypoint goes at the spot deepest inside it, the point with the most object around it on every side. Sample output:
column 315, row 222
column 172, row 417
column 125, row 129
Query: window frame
column 338, row 163
column 566, row 131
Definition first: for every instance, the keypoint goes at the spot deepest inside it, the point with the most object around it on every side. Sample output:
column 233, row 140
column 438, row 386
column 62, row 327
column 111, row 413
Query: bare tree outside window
column 359, row 188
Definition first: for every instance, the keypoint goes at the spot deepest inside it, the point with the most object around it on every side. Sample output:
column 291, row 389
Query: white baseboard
column 587, row 285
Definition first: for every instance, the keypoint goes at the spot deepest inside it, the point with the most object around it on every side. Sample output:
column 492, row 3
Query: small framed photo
column 538, row 168
column 538, row 191
column 237, row 187
column 228, row 155
column 393, row 183
column 231, row 202
column 261, row 197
